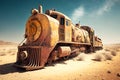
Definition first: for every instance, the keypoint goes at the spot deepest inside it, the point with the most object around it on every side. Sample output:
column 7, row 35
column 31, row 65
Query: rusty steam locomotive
column 53, row 36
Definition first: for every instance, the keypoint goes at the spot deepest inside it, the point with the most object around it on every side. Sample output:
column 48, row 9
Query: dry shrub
column 107, row 49
column 80, row 57
column 118, row 49
column 103, row 56
column 12, row 53
column 2, row 54
column 113, row 53
column 108, row 55
column 9, row 51
column 99, row 57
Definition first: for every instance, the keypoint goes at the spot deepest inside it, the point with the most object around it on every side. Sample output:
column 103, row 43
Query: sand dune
column 101, row 65
column 7, row 43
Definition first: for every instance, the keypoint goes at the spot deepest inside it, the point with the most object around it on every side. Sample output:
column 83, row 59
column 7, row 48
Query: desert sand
column 101, row 65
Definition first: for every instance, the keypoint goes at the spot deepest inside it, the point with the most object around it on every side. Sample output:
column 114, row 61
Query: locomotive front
column 39, row 42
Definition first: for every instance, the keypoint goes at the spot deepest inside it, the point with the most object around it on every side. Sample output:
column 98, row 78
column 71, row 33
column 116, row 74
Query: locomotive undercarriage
column 33, row 57
column 67, row 50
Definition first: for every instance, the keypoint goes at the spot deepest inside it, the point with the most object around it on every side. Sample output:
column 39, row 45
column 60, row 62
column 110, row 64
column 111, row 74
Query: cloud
column 106, row 6
column 77, row 14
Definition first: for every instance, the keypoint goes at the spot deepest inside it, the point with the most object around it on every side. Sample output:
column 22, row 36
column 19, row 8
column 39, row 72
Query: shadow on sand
column 9, row 68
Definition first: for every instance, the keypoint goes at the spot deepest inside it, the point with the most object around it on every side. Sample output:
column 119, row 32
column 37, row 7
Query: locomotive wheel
column 49, row 62
column 52, row 57
column 66, row 57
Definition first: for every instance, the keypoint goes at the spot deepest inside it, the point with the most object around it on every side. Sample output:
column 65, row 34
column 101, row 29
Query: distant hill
column 7, row 43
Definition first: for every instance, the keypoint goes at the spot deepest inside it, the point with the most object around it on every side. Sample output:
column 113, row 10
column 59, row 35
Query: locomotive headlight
column 23, row 55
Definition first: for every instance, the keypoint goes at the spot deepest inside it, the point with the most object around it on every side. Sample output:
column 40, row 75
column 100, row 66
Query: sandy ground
column 102, row 65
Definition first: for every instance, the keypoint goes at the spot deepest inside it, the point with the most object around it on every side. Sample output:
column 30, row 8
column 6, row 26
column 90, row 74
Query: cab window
column 62, row 21
column 67, row 23
column 54, row 16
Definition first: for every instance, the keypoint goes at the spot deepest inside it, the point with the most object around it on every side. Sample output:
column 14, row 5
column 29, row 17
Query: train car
column 98, row 43
column 51, row 36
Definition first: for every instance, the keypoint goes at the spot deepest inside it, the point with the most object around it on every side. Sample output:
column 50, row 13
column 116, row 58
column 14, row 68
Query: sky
column 102, row 15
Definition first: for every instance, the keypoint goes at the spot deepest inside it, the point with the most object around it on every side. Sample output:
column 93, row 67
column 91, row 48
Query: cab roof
column 50, row 12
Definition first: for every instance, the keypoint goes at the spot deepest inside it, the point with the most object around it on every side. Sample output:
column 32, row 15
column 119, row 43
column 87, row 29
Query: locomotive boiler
column 51, row 36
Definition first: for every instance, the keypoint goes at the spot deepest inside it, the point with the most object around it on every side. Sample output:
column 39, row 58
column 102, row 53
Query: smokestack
column 40, row 9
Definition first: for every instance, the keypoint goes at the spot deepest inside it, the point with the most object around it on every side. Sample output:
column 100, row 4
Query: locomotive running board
column 74, row 43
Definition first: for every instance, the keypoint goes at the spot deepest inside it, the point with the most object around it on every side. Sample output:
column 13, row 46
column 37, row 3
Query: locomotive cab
column 65, row 29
